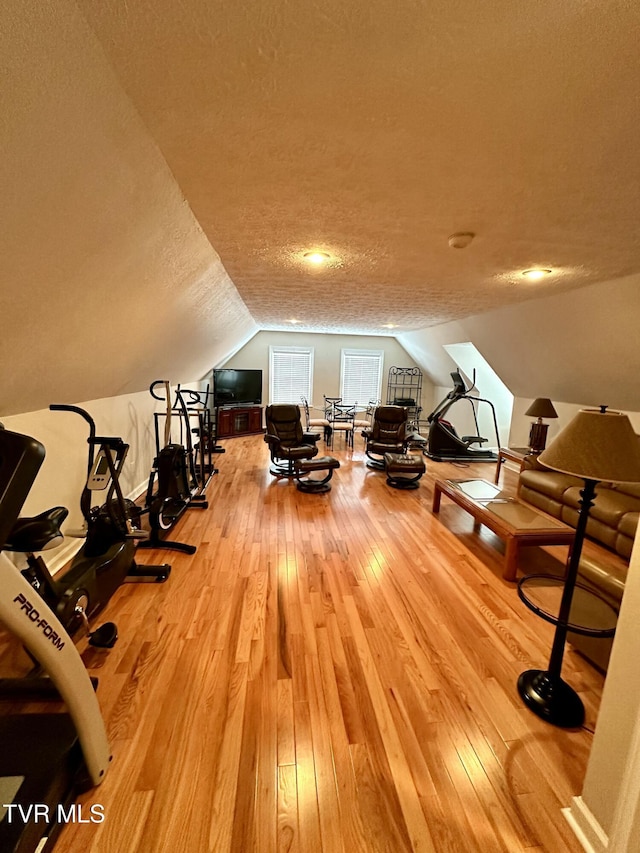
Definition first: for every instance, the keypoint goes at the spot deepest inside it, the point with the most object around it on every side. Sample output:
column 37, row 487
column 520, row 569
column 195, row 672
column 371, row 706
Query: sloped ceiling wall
column 108, row 281
column 577, row 348
column 374, row 129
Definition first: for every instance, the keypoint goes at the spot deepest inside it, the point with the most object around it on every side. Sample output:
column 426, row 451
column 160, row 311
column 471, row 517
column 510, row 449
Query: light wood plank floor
column 330, row 673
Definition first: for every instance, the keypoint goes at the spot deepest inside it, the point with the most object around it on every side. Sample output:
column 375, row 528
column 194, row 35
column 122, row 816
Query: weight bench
column 304, row 467
column 403, row 470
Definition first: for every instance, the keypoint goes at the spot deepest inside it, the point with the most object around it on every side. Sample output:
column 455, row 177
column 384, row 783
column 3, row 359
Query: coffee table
column 510, row 519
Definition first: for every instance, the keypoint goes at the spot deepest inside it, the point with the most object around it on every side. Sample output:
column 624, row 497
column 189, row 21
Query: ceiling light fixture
column 389, row 325
column 461, row 240
column 536, row 274
column 316, row 257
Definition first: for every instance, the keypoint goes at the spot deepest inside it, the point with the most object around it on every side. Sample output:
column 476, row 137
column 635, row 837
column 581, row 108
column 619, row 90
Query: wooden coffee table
column 510, row 519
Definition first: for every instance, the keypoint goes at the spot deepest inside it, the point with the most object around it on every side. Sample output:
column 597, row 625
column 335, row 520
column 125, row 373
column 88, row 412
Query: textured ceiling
column 374, row 130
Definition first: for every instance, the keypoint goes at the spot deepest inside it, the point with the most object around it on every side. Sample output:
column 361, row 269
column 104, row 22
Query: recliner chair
column 287, row 440
column 388, row 434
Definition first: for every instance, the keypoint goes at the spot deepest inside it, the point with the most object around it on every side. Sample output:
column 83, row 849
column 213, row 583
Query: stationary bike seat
column 38, row 533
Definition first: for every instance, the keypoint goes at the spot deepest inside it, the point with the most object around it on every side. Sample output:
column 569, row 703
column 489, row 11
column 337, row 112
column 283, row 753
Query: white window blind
column 361, row 375
column 290, row 374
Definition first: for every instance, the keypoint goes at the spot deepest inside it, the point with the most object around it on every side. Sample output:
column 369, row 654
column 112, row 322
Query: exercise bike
column 178, row 478
column 45, row 758
column 443, row 442
column 106, row 559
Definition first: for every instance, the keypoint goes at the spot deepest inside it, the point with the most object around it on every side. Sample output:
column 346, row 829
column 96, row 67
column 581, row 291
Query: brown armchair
column 287, row 440
column 388, row 434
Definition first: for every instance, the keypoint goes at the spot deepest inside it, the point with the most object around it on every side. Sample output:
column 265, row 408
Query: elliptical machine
column 177, row 480
column 206, row 444
column 106, row 558
column 443, row 442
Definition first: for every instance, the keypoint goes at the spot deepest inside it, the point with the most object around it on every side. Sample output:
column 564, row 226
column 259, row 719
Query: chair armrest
column 310, row 437
column 272, row 440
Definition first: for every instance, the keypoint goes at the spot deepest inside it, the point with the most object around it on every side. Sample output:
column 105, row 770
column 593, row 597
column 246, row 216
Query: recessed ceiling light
column 293, row 320
column 316, row 257
column 389, row 325
column 536, row 274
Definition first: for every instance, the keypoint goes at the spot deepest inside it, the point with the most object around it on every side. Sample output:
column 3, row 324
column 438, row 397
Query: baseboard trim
column 71, row 545
column 585, row 827
column 64, row 553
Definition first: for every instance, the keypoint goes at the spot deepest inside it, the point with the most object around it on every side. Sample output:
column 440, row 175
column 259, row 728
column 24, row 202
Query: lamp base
column 538, row 437
column 551, row 698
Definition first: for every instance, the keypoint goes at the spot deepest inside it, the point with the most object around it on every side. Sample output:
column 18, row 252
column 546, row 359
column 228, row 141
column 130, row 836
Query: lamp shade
column 542, row 407
column 596, row 445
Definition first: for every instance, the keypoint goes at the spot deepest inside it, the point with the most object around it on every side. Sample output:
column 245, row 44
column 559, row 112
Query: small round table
column 544, row 691
column 542, row 594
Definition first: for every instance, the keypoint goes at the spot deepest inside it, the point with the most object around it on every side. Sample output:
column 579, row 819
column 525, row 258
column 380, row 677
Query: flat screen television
column 237, row 387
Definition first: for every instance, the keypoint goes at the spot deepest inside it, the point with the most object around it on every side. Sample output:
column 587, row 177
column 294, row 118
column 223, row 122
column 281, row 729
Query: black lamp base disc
column 551, row 698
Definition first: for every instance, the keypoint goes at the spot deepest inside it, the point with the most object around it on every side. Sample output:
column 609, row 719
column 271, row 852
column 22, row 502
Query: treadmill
column 45, row 759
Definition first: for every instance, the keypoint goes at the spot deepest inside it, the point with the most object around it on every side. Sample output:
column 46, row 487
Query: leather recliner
column 287, row 440
column 388, row 434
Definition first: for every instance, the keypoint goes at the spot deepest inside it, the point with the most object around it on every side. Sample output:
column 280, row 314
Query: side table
column 544, row 691
column 513, row 454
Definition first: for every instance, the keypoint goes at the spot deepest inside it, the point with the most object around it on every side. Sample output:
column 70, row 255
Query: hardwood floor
column 330, row 673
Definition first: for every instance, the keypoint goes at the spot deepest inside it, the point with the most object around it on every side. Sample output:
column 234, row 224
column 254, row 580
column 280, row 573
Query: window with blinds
column 361, row 375
column 290, row 374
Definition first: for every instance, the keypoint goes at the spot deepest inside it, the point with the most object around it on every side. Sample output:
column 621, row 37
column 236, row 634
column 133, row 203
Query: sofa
column 613, row 520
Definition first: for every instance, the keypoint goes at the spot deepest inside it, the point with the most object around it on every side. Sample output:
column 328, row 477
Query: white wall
column 579, row 347
column 64, row 435
column 107, row 278
column 619, row 717
column 327, row 352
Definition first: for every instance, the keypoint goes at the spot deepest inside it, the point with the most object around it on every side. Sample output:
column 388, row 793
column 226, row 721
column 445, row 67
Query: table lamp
column 596, row 445
column 542, row 407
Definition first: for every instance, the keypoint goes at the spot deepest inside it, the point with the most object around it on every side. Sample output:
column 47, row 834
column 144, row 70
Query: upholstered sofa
column 613, row 518
column 612, row 522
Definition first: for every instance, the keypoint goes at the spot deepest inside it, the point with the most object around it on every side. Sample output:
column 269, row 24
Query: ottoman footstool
column 403, row 470
column 304, row 467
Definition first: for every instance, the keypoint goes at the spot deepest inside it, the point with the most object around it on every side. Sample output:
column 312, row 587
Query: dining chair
column 312, row 424
column 364, row 418
column 342, row 420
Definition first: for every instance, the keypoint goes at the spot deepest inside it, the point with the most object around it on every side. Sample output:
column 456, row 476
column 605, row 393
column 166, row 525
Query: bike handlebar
column 162, row 382
column 194, row 397
column 60, row 407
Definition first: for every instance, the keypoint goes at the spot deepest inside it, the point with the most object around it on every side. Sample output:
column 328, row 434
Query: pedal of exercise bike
column 148, row 574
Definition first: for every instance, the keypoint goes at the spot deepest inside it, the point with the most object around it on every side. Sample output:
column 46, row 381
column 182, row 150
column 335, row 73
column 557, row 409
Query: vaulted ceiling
column 374, row 130
column 166, row 165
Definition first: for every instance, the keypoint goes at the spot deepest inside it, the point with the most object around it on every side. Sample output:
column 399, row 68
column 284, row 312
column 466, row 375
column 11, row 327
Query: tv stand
column 238, row 420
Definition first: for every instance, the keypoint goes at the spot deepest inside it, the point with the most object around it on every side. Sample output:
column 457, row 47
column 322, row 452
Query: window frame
column 276, row 350
column 350, row 352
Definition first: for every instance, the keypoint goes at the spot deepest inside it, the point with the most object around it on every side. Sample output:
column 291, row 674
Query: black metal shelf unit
column 404, row 388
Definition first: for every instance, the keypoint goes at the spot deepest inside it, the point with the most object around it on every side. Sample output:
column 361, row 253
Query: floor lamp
column 596, row 445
